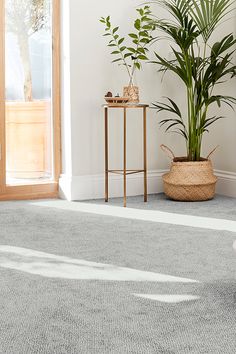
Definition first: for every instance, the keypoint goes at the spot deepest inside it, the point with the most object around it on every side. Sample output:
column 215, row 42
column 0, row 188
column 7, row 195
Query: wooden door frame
column 39, row 190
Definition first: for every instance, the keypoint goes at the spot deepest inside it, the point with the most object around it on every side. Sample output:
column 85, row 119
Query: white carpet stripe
column 53, row 266
column 171, row 299
column 144, row 215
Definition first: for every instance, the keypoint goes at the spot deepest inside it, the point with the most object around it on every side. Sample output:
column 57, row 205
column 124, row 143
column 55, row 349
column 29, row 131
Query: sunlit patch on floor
column 144, row 215
column 171, row 299
column 53, row 266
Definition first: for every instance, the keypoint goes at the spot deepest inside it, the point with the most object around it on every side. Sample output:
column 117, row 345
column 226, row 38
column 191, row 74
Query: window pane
column 28, row 63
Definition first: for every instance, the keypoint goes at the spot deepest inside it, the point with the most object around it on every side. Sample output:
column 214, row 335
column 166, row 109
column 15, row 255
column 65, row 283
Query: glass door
column 30, row 147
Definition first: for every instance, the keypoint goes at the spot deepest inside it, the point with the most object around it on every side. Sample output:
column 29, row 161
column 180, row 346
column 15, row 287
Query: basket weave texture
column 190, row 181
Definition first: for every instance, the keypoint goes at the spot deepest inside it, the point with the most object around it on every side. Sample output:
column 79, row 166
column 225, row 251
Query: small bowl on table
column 117, row 100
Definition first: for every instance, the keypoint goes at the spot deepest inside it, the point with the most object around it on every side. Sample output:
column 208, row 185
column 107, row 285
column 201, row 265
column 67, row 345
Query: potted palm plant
column 202, row 65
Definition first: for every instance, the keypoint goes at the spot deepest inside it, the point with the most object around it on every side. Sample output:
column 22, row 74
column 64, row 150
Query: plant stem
column 122, row 55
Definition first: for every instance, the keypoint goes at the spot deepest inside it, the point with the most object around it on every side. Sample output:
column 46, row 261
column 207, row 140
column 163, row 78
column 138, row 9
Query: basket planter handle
column 212, row 152
column 168, row 152
column 171, row 155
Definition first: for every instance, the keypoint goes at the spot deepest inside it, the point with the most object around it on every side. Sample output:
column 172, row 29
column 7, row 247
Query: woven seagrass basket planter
column 190, row 181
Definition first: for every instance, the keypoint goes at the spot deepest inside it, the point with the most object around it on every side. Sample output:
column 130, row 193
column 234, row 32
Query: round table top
column 126, row 105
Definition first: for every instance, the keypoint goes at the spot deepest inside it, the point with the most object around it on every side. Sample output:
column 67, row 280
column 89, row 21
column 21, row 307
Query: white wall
column 87, row 75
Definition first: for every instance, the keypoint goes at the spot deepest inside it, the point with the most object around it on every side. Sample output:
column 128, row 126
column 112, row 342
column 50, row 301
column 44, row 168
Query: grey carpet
column 50, row 315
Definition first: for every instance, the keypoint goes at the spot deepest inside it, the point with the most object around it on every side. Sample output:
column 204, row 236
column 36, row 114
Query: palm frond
column 207, row 14
column 169, row 123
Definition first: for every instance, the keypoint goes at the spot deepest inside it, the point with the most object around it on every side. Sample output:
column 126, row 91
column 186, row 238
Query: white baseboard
column 226, row 184
column 92, row 187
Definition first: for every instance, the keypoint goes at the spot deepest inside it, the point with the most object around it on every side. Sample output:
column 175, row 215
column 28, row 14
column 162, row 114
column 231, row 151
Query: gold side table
column 125, row 171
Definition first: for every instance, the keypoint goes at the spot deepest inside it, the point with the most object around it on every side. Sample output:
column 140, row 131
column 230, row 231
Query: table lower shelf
column 127, row 172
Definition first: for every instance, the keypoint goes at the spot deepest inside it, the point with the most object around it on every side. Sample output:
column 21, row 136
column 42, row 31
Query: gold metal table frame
column 125, row 171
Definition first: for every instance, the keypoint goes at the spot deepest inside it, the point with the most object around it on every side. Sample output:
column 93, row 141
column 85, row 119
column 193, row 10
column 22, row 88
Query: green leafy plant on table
column 131, row 55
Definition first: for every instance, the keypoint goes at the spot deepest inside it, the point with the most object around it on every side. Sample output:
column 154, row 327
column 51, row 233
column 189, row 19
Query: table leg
column 106, row 154
column 145, row 151
column 124, row 157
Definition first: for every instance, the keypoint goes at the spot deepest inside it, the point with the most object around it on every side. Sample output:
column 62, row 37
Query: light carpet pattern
column 95, row 278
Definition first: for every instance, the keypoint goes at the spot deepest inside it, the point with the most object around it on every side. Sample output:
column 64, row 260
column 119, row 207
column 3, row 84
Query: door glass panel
column 28, row 91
